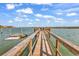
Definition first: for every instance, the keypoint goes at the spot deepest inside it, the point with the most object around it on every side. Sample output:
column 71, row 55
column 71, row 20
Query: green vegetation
column 6, row 26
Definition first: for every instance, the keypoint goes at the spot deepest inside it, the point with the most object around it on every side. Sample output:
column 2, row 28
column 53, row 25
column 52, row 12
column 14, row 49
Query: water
column 71, row 35
column 5, row 45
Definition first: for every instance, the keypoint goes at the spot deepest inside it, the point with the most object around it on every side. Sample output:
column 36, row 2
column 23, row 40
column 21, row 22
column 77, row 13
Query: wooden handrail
column 18, row 49
column 71, row 47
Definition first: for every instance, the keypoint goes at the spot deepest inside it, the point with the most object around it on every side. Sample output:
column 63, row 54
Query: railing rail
column 71, row 47
column 18, row 49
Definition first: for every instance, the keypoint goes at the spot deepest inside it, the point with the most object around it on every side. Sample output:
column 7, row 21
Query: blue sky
column 34, row 14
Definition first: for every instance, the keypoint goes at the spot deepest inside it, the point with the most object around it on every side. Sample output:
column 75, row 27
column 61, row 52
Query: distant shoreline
column 6, row 26
column 62, row 27
column 58, row 27
column 66, row 27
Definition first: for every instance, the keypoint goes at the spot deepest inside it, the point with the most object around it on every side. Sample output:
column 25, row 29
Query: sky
column 39, row 14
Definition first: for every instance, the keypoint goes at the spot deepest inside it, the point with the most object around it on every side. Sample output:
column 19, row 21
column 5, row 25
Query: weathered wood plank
column 30, row 47
column 47, row 45
column 37, row 50
column 44, row 49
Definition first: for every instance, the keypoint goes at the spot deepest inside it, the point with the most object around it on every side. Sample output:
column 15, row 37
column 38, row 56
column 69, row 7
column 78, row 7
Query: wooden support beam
column 58, row 45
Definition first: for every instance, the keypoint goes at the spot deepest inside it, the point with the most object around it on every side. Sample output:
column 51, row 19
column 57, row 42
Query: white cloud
column 41, row 3
column 72, row 9
column 26, row 19
column 50, row 18
column 68, row 12
column 26, row 10
column 38, row 15
column 48, row 21
column 71, row 14
column 10, row 6
column 59, row 13
column 30, row 23
column 10, row 21
column 76, row 21
column 43, row 16
column 17, row 19
column 24, row 15
column 37, row 19
column 60, row 20
column 47, row 16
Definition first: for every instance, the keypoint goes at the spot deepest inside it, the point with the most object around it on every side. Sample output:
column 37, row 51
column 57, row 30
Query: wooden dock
column 42, row 45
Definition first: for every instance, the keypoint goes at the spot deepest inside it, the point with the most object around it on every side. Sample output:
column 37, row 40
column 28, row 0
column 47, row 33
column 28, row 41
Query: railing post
column 58, row 44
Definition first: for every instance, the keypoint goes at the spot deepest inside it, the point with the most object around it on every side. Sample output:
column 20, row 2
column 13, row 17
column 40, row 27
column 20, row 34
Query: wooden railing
column 18, row 49
column 60, row 41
